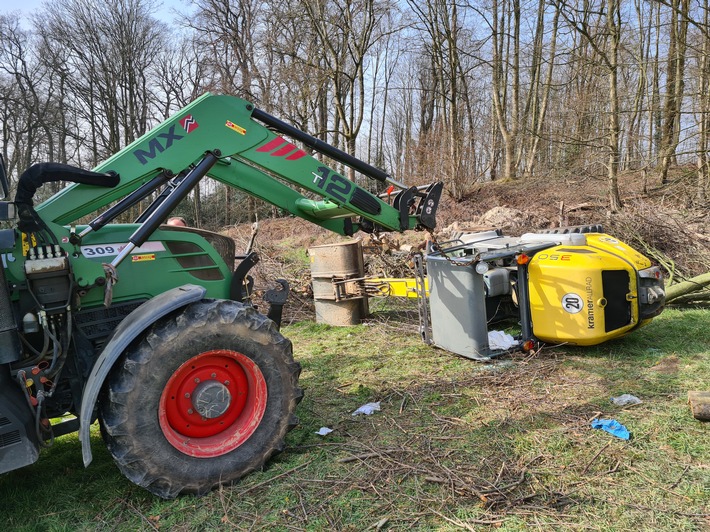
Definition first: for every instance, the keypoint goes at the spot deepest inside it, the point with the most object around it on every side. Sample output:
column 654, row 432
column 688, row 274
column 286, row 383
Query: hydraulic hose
column 39, row 174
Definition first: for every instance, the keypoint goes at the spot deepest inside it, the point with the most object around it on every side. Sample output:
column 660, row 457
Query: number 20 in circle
column 572, row 303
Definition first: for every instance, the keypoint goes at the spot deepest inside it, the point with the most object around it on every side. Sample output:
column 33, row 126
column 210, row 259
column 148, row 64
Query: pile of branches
column 677, row 242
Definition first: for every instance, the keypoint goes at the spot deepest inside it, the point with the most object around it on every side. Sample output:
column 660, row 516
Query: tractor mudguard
column 133, row 325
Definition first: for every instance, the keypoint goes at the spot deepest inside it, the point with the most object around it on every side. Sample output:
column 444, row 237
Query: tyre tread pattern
column 128, row 404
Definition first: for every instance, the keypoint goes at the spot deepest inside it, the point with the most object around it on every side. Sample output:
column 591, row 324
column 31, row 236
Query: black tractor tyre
column 590, row 228
column 204, row 397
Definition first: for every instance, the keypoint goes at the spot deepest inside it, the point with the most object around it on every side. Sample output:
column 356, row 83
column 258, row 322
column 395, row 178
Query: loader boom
column 257, row 161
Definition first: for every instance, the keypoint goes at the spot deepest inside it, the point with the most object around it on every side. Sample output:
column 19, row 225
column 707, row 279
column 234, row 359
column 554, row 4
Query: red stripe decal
column 271, row 145
column 296, row 155
column 283, row 151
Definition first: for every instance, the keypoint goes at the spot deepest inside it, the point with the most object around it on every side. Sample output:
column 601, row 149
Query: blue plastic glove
column 612, row 426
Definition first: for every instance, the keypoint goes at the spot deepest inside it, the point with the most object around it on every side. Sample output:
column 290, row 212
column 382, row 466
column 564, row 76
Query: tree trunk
column 613, row 18
column 675, row 84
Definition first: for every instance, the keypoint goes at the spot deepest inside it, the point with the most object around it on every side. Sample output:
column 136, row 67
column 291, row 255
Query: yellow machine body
column 585, row 294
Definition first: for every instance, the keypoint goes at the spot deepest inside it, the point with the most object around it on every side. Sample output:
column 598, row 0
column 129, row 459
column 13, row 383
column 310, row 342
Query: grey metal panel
column 457, row 301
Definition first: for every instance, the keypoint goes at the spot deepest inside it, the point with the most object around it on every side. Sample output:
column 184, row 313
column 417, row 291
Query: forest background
column 466, row 92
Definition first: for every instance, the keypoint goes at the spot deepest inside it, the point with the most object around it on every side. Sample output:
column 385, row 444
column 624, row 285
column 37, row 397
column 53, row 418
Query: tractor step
column 18, row 442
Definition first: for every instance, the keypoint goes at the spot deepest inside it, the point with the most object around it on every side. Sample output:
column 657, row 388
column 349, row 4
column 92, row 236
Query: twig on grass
column 465, row 524
column 225, row 517
column 651, row 481
column 269, row 480
column 600, row 451
column 140, row 514
column 675, row 484
column 364, row 456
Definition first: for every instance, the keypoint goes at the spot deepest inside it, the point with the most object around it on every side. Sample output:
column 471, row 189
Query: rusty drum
column 336, row 272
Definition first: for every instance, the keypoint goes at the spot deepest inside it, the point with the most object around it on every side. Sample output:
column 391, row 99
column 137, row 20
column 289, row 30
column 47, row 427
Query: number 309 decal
column 109, row 250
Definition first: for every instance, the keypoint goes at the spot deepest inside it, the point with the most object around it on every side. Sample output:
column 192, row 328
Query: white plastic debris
column 500, row 340
column 626, row 400
column 323, row 431
column 367, row 409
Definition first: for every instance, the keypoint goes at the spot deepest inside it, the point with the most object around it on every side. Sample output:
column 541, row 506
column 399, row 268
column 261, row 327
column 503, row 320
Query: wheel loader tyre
column 204, row 397
column 590, row 228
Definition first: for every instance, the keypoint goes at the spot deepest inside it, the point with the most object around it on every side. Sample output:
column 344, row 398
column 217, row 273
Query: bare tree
column 28, row 97
column 639, row 56
column 605, row 40
column 702, row 107
column 228, row 33
column 675, row 84
column 505, row 63
column 107, row 52
column 539, row 88
column 347, row 31
column 446, row 106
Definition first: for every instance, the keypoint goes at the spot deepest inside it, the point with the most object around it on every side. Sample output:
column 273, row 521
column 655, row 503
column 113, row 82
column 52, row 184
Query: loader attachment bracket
column 426, row 210
column 403, row 202
column 242, row 284
column 276, row 298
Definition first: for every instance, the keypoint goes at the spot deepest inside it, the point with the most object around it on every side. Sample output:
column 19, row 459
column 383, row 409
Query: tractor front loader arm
column 251, row 156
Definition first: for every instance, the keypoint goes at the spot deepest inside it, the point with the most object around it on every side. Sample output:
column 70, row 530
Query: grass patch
column 458, row 444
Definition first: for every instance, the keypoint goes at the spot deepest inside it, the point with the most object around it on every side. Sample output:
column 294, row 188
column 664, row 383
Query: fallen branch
column 700, row 298
column 465, row 524
column 687, row 287
column 600, row 451
column 359, row 457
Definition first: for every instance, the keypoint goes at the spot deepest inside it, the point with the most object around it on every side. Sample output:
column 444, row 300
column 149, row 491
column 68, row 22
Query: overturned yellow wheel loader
column 577, row 285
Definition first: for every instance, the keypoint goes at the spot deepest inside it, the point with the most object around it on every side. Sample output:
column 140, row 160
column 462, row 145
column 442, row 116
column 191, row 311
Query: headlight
column 654, row 272
column 652, row 295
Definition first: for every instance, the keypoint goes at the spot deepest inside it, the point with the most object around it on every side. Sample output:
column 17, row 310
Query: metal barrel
column 336, row 273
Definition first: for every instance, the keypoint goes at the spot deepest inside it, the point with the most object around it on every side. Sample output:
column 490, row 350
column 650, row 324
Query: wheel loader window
column 617, row 312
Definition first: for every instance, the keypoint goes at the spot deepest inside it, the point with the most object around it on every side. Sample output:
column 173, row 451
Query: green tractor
column 147, row 327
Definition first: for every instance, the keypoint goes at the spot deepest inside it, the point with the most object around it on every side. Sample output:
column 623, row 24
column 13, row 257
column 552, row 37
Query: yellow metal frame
column 394, row 287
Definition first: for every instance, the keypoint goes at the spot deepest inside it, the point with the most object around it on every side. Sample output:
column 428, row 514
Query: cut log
column 686, row 287
column 700, row 405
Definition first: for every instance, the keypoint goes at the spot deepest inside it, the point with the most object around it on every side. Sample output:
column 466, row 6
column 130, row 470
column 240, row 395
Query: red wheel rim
column 212, row 403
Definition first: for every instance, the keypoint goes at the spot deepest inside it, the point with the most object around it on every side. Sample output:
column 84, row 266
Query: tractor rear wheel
column 206, row 396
